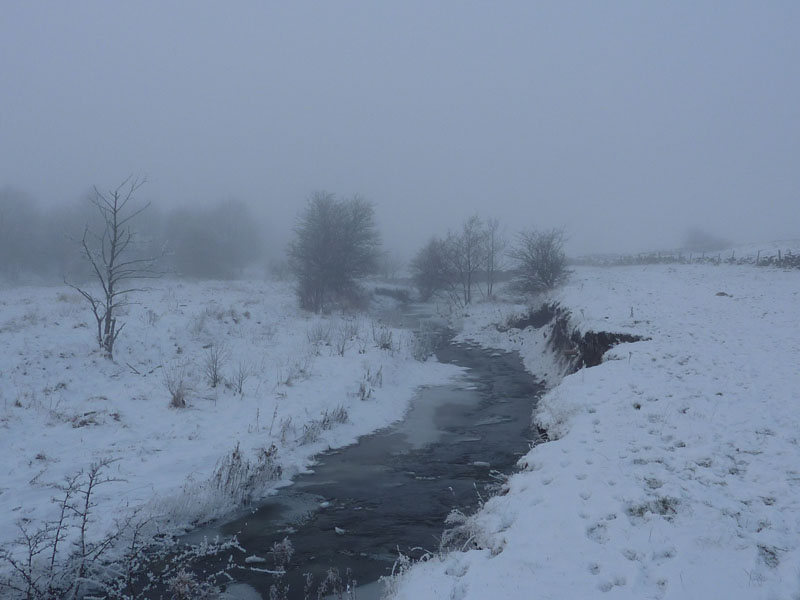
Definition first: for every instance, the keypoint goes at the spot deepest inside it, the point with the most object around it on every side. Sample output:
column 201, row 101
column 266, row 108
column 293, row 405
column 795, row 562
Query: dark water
column 393, row 490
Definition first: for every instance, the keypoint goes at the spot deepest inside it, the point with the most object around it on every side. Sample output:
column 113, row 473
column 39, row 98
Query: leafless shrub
column 294, row 370
column 319, row 334
column 175, row 380
column 382, row 336
column 214, row 363
column 152, row 567
column 424, row 342
column 241, row 479
column 185, row 586
column 281, row 554
column 462, row 533
column 338, row 415
column 39, row 568
column 239, row 376
column 369, row 382
column 311, row 432
column 334, row 586
column 401, row 566
column 346, row 333
column 313, row 429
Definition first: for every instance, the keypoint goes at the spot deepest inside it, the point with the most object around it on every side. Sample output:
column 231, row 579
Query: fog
column 626, row 123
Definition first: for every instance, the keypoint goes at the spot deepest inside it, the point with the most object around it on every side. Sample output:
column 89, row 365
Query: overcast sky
column 625, row 122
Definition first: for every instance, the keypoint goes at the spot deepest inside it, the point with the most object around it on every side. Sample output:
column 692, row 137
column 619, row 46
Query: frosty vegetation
column 218, row 390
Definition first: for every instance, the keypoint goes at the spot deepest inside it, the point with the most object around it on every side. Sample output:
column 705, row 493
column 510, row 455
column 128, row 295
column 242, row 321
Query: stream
column 363, row 504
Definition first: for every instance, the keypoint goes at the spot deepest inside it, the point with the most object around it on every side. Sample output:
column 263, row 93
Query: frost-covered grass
column 675, row 466
column 264, row 385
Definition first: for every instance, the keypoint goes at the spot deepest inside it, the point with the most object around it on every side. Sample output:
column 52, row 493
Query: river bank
column 289, row 385
column 360, row 508
column 672, row 470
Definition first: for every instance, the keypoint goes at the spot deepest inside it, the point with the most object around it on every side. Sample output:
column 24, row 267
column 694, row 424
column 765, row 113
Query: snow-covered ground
column 63, row 406
column 674, row 471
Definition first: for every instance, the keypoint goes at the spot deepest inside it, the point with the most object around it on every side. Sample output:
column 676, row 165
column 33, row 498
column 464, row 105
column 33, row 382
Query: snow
column 63, row 406
column 674, row 466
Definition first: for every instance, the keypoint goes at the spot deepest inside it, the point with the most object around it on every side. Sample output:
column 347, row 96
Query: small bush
column 424, row 342
column 462, row 533
column 294, row 370
column 176, row 384
column 185, row 586
column 241, row 479
column 214, row 362
column 313, row 429
column 347, row 332
column 369, row 382
column 319, row 334
column 382, row 336
column 240, row 376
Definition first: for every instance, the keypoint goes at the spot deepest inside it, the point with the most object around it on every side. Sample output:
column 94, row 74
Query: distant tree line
column 336, row 244
column 213, row 242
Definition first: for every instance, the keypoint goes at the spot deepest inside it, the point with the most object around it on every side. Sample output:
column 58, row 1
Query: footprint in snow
column 653, row 483
column 597, row 533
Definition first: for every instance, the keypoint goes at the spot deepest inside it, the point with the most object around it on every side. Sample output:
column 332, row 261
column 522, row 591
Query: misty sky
column 625, row 122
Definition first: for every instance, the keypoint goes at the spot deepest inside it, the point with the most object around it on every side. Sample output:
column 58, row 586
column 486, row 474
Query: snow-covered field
column 674, row 471
column 63, row 406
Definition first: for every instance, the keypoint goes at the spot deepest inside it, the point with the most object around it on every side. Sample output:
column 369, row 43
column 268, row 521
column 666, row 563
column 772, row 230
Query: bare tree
column 467, row 255
column 495, row 251
column 541, row 259
column 454, row 264
column 336, row 242
column 430, row 269
column 110, row 255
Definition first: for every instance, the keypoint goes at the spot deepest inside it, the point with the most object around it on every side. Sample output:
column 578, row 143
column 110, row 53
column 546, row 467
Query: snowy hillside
column 289, row 385
column 674, row 469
